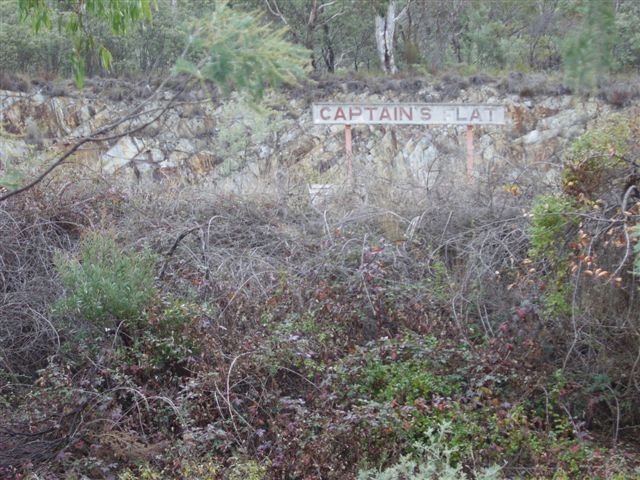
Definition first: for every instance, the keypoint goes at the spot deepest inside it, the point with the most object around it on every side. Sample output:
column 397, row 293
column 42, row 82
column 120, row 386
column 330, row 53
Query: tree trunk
column 385, row 30
column 327, row 51
column 309, row 29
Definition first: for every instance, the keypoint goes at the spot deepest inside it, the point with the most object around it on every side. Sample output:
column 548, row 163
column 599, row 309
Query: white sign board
column 407, row 114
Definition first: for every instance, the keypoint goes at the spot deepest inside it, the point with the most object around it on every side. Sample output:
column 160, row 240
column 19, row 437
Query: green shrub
column 552, row 217
column 105, row 281
column 247, row 469
column 205, row 468
column 553, row 226
column 433, row 459
column 594, row 162
column 170, row 337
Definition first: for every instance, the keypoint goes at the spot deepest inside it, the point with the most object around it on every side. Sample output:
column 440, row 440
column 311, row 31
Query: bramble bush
column 581, row 258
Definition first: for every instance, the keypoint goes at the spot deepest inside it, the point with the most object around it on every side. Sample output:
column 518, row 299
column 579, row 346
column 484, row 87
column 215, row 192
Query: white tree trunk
column 385, row 30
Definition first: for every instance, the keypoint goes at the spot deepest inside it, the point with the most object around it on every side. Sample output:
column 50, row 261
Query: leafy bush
column 553, row 226
column 584, row 62
column 581, row 240
column 552, row 216
column 106, row 282
column 595, row 163
column 169, row 340
column 261, row 368
column 432, row 460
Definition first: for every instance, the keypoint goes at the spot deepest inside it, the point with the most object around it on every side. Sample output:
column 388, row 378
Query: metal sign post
column 349, row 114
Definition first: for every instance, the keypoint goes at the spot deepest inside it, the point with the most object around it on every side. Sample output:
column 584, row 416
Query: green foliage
column 410, row 382
column 585, row 59
column 405, row 382
column 298, row 340
column 169, row 338
column 509, row 34
column 445, row 413
column 627, row 45
column 237, row 51
column 593, row 157
column 553, row 226
column 610, row 138
column 483, row 44
column 73, row 20
column 244, row 127
column 432, row 459
column 105, row 281
column 12, row 177
column 21, row 51
column 439, row 284
column 245, row 469
column 205, row 468
column 552, row 217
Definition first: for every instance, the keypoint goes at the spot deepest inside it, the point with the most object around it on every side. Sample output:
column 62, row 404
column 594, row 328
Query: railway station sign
column 350, row 114
column 407, row 114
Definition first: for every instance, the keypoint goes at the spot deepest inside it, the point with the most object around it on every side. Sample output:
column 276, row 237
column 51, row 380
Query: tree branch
column 95, row 137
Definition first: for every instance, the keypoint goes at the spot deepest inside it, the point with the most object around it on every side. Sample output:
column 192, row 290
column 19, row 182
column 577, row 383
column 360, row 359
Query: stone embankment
column 242, row 149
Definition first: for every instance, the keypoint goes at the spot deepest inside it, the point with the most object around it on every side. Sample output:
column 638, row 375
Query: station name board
column 407, row 114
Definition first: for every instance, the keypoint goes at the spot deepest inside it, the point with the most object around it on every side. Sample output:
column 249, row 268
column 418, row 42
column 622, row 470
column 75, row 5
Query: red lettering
column 490, row 110
column 425, row 113
column 385, row 115
column 354, row 112
column 340, row 114
column 370, row 110
column 322, row 110
column 406, row 112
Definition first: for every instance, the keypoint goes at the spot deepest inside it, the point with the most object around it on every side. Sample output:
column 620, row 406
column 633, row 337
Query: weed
column 432, row 458
column 105, row 282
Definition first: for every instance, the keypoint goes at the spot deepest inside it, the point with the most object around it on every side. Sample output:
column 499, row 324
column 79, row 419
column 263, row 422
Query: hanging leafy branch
column 74, row 17
column 237, row 50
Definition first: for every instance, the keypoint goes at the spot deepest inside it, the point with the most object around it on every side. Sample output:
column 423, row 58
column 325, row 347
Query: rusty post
column 349, row 151
column 470, row 163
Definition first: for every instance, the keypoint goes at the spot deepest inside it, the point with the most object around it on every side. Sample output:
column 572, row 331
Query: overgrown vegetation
column 169, row 331
column 281, row 342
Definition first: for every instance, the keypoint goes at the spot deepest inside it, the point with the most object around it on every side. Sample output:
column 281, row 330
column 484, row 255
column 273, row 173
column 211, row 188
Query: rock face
column 244, row 150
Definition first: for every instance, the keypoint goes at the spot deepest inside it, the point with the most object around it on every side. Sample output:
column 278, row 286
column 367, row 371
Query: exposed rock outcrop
column 192, row 141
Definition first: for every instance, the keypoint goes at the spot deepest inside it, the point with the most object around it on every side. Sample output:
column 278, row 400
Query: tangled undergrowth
column 174, row 334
